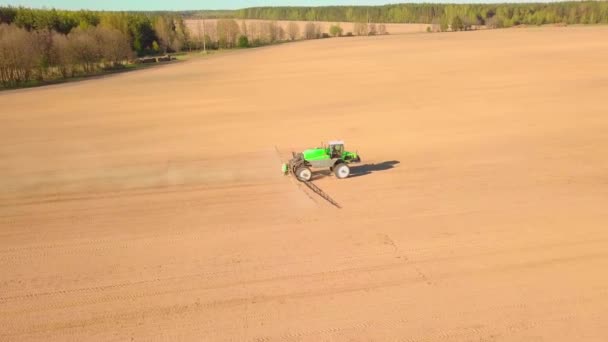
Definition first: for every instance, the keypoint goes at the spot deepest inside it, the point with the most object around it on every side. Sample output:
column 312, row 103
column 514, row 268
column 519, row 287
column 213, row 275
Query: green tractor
column 332, row 156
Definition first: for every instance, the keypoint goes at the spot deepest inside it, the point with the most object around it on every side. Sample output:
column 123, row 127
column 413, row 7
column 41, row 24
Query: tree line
column 141, row 29
column 232, row 33
column 229, row 33
column 41, row 45
column 493, row 15
column 45, row 55
column 44, row 45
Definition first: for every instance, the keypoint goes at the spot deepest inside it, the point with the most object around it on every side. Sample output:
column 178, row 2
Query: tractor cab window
column 336, row 151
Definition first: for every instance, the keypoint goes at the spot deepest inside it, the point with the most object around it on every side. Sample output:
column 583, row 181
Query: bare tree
column 252, row 30
column 8, row 57
column 210, row 33
column 84, row 49
column 115, row 46
column 244, row 28
column 372, row 29
column 293, row 30
column 265, row 32
column 360, row 28
column 19, row 55
column 436, row 25
column 200, row 38
column 204, row 37
column 311, row 30
column 60, row 55
column 382, row 29
column 273, row 31
column 227, row 32
column 44, row 43
column 317, row 30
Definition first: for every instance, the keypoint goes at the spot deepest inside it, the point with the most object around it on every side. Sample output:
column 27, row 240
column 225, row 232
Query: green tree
column 457, row 24
column 506, row 14
column 7, row 15
column 165, row 34
column 335, row 30
column 243, row 42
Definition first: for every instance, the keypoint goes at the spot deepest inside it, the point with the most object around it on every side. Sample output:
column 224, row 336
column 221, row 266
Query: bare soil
column 150, row 205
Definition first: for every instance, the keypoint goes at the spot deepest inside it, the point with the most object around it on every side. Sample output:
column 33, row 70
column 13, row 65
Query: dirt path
column 150, row 205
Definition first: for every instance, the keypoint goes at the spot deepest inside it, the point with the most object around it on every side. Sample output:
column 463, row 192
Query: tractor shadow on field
column 366, row 169
column 360, row 170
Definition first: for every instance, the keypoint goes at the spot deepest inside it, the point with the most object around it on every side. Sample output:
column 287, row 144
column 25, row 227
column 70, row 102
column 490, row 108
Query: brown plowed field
column 150, row 205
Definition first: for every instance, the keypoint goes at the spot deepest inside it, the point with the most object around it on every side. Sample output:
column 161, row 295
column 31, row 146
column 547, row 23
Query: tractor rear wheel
column 341, row 171
column 304, row 174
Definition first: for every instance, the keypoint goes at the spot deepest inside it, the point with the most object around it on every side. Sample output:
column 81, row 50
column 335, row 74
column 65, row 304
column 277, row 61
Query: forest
column 493, row 15
column 39, row 45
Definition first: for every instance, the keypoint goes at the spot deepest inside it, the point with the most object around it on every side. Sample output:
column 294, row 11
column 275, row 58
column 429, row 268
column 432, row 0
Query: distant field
column 347, row 27
column 150, row 205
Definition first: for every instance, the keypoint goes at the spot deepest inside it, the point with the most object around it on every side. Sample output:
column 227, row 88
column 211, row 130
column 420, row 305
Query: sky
column 152, row 5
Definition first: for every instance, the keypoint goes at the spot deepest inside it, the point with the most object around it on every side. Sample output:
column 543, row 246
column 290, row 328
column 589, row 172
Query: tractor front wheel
column 341, row 171
column 304, row 174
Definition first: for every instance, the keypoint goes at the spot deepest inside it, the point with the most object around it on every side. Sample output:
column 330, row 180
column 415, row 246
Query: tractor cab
column 336, row 148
